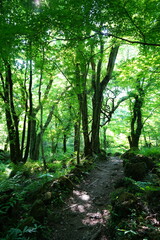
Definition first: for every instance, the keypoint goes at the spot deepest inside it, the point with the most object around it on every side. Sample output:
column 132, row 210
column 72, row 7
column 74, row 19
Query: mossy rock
column 128, row 184
column 137, row 171
column 147, row 160
column 115, row 194
column 47, row 197
column 131, row 157
column 128, row 155
column 38, row 210
column 124, row 203
column 117, row 154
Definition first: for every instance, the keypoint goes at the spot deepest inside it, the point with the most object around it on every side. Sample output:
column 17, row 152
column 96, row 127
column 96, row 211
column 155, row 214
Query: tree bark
column 99, row 88
column 64, row 143
column 35, row 152
column 11, row 117
column 81, row 78
column 84, row 113
column 77, row 127
column 136, row 123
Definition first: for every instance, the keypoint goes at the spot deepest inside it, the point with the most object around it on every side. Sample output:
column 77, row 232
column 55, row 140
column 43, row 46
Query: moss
column 38, row 210
column 137, row 171
column 123, row 202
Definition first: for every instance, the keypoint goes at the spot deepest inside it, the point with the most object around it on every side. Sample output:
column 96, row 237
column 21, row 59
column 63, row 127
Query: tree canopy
column 69, row 66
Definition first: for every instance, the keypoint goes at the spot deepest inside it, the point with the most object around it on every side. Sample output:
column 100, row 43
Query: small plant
column 25, row 234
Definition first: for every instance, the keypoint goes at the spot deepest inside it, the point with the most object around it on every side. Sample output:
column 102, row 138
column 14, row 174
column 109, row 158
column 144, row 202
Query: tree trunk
column 30, row 112
column 84, row 113
column 35, row 153
column 33, row 137
column 11, row 118
column 77, row 127
column 37, row 142
column 136, row 123
column 64, row 143
column 104, row 139
column 99, row 88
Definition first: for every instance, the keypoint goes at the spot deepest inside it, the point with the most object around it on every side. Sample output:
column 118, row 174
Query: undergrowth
column 135, row 211
column 29, row 194
column 151, row 152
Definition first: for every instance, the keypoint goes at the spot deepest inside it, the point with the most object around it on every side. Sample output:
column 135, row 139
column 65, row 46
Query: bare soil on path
column 85, row 214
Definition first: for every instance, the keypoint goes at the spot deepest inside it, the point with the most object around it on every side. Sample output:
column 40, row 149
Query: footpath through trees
column 85, row 214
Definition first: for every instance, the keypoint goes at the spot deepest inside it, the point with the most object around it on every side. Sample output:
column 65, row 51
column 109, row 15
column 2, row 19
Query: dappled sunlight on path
column 86, row 212
column 96, row 218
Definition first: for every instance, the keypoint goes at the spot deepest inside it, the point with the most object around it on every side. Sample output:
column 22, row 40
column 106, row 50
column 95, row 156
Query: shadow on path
column 86, row 212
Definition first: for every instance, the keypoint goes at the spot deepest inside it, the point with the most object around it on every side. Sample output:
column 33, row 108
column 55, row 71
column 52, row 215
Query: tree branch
column 106, row 35
column 110, row 66
column 131, row 41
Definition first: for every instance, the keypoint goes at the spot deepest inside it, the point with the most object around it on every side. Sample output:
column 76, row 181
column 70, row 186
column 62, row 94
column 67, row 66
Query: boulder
column 137, row 171
column 38, row 210
column 124, row 203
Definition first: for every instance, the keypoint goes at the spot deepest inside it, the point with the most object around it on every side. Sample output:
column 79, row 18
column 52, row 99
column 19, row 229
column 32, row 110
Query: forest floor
column 85, row 213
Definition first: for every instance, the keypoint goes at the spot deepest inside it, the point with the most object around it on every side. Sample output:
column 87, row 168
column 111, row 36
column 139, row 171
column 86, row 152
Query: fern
column 147, row 186
column 151, row 152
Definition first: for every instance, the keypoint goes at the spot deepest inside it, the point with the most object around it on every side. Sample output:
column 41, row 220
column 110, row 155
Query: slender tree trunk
column 64, row 143
column 11, row 118
column 99, row 88
column 33, row 137
column 30, row 112
column 77, row 127
column 81, row 78
column 35, row 153
column 84, row 113
column 41, row 115
column 104, row 139
column 6, row 144
column 136, row 123
column 54, row 145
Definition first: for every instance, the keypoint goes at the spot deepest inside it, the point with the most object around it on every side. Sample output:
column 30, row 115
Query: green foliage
column 151, row 152
column 133, row 203
column 25, row 234
column 62, row 74
column 147, row 186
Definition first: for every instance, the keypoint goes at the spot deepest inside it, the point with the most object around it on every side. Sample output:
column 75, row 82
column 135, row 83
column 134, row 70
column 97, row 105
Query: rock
column 38, row 210
column 117, row 154
column 130, row 157
column 147, row 160
column 137, row 171
column 124, row 203
column 47, row 197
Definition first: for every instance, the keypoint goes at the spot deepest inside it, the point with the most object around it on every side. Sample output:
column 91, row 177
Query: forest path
column 86, row 211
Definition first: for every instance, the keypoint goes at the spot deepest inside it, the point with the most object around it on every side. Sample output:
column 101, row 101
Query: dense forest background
column 77, row 76
column 78, row 79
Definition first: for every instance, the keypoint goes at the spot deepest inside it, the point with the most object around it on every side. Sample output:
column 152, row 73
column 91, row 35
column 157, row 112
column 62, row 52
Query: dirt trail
column 86, row 211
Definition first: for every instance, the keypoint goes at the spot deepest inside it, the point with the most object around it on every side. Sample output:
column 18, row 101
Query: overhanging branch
column 133, row 42
column 106, row 35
